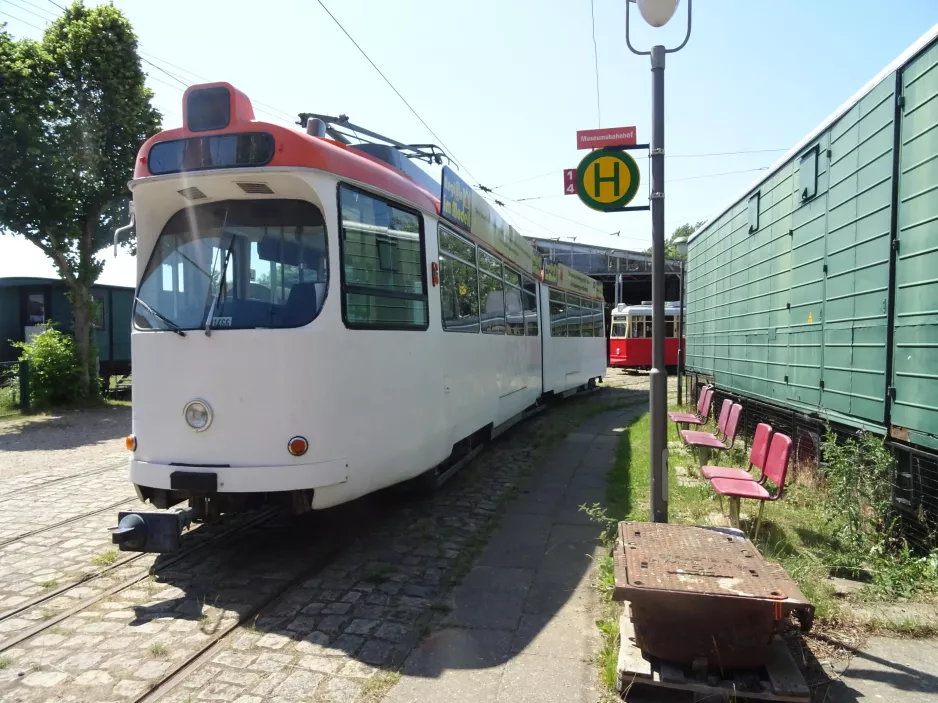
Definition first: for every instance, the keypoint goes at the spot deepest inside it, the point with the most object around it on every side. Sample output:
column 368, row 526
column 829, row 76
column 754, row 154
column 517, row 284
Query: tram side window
column 514, row 305
column 491, row 294
column 599, row 329
column 459, row 283
column 384, row 281
column 530, row 307
column 573, row 316
column 558, row 314
column 669, row 326
column 638, row 327
column 618, row 329
column 586, row 318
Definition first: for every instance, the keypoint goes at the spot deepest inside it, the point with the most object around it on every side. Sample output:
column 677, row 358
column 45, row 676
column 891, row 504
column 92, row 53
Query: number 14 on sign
column 569, row 181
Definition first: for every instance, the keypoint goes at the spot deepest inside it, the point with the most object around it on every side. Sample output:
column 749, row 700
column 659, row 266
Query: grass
column 795, row 533
column 5, row 662
column 376, row 687
column 158, row 649
column 377, row 575
column 51, row 583
column 105, row 558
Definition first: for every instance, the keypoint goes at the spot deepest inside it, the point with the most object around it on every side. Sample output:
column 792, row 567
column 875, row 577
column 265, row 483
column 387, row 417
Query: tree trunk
column 81, row 308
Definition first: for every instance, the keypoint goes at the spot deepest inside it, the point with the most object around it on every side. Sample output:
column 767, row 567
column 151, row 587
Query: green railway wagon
column 816, row 291
column 26, row 303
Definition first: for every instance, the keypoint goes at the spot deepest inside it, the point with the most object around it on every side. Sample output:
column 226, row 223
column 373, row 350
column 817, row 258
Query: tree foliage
column 74, row 110
column 685, row 230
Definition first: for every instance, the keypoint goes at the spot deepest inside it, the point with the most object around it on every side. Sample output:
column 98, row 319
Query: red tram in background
column 630, row 335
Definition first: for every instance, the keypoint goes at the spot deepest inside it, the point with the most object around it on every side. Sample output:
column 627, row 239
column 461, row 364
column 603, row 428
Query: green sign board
column 607, row 179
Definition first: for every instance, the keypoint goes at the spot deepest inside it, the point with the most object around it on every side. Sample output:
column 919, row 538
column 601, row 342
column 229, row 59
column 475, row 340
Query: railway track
column 17, row 492
column 208, row 651
column 47, row 623
column 69, row 520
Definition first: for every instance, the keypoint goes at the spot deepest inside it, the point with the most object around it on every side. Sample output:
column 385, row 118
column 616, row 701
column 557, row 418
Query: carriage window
column 459, row 283
column 558, row 319
column 587, row 315
column 638, row 327
column 98, row 321
column 573, row 316
column 491, row 294
column 618, row 329
column 669, row 326
column 514, row 304
column 384, row 282
column 599, row 320
column 530, row 307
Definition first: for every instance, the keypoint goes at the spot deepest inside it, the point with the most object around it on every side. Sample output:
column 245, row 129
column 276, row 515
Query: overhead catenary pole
column 657, row 13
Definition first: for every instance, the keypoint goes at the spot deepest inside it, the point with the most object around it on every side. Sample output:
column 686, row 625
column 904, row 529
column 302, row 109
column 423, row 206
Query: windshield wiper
column 173, row 327
column 221, row 286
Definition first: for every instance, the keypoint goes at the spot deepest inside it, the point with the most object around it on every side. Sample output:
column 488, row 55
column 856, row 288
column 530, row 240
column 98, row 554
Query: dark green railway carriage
column 26, row 303
column 817, row 290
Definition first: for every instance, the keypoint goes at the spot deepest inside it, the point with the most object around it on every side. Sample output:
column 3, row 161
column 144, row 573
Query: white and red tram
column 309, row 328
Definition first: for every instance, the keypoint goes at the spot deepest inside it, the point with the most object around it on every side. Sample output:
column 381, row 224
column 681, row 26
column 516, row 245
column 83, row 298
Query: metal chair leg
column 734, row 512
column 759, row 520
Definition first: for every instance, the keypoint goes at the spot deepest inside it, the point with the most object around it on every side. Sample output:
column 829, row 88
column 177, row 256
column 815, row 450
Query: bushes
column 53, row 368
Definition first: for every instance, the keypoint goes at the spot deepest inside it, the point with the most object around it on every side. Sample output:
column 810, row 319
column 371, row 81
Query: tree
column 685, row 230
column 74, row 110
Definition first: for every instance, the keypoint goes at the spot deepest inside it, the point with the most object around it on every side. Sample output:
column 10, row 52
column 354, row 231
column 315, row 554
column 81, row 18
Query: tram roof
column 364, row 164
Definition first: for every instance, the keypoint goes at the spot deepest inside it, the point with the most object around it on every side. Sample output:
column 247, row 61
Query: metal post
column 659, row 375
column 680, row 343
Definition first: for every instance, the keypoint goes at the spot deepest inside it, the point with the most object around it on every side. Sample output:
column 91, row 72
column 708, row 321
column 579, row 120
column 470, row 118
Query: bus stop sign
column 607, row 179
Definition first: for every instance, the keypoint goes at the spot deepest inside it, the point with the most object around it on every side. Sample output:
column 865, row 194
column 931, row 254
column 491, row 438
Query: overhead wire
column 153, row 59
column 599, row 117
column 449, row 151
column 26, row 9
column 28, row 24
column 556, row 171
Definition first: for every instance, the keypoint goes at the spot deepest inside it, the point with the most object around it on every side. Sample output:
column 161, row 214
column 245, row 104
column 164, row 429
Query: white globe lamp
column 657, row 13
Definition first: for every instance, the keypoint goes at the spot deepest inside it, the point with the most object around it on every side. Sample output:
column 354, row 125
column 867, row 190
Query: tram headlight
column 297, row 446
column 198, row 414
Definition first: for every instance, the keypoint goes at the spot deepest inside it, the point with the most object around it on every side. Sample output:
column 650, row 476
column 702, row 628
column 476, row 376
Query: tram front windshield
column 241, row 264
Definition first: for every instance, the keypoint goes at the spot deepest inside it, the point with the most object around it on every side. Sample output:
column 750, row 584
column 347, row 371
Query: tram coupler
column 159, row 533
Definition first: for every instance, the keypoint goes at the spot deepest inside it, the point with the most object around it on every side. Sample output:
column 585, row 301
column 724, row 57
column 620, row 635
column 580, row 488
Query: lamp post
column 657, row 13
column 681, row 245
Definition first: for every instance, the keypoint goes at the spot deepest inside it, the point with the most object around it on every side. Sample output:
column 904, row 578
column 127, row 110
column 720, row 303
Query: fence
column 914, row 482
column 14, row 387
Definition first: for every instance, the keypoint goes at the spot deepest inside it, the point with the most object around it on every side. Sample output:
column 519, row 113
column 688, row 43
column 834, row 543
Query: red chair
column 703, row 410
column 703, row 442
column 757, row 455
column 776, row 469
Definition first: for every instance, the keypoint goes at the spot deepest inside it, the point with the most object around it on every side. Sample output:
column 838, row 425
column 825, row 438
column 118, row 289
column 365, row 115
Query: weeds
column 158, row 649
column 105, row 558
column 5, row 662
column 377, row 576
column 51, row 583
column 441, row 606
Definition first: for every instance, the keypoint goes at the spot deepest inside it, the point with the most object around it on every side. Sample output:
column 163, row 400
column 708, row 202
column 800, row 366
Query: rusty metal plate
column 699, row 560
column 702, row 594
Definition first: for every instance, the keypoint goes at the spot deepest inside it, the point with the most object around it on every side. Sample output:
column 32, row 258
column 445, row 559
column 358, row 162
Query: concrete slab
column 904, row 671
column 533, row 678
column 499, row 579
column 569, row 633
column 453, row 665
column 518, row 543
column 487, row 609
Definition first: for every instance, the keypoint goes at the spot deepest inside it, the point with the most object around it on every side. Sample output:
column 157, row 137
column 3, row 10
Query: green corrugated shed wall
column 915, row 365
column 796, row 311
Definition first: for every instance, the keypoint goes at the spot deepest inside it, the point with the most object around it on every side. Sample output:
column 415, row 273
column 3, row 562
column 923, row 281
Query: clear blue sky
column 506, row 84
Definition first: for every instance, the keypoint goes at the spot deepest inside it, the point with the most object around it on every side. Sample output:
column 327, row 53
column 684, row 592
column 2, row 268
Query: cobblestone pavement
column 35, row 450
column 342, row 597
